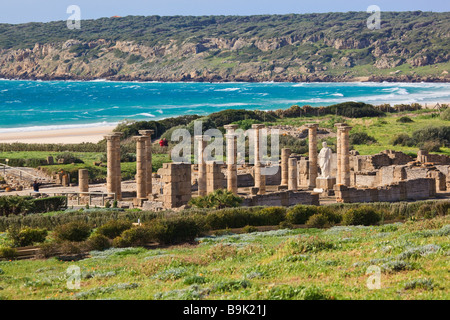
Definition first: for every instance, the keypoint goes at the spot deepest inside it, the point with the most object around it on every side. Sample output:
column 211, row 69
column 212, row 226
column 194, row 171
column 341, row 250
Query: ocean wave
column 228, row 89
column 145, row 115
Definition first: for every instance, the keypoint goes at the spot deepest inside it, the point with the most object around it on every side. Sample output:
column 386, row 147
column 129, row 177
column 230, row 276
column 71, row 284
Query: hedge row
column 17, row 205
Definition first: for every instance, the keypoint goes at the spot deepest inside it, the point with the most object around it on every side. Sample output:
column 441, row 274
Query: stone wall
column 440, row 159
column 282, row 198
column 417, row 189
column 377, row 161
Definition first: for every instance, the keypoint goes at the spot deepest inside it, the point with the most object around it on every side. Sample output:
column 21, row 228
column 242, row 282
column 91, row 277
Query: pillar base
column 325, row 183
column 138, row 202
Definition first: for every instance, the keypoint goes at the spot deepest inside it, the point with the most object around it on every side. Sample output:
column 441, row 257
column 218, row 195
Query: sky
column 21, row 11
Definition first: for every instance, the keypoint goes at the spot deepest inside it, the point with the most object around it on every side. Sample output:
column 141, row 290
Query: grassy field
column 281, row 264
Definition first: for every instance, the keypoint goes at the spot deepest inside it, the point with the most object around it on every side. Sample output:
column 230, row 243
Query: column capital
column 345, row 128
column 258, row 126
column 312, row 125
column 140, row 138
column 230, row 127
column 114, row 136
column 146, row 132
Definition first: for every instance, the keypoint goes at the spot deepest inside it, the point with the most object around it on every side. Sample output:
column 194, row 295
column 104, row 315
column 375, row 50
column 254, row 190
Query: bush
column 361, row 138
column 445, row 115
column 8, row 253
column 48, row 204
column 114, row 228
column 364, row 215
column 26, row 236
column 98, row 242
column 405, row 120
column 218, row 199
column 317, row 221
column 75, row 231
column 14, row 205
column 176, row 230
column 300, row 214
column 47, row 250
column 249, row 229
column 441, row 134
column 271, row 216
column 137, row 236
column 68, row 158
column 403, row 139
column 69, row 248
column 431, row 146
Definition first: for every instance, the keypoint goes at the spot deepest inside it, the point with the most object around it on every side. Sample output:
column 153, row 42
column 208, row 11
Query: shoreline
column 59, row 136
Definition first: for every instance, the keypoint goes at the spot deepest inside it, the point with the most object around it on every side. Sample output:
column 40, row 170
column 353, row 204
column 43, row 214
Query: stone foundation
column 417, row 189
column 282, row 198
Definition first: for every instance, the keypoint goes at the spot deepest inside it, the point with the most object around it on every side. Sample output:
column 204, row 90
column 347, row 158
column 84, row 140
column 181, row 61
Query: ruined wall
column 282, row 198
column 417, row 189
column 377, row 161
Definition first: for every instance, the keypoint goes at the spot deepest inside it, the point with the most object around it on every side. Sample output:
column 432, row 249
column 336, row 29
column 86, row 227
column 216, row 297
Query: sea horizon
column 38, row 105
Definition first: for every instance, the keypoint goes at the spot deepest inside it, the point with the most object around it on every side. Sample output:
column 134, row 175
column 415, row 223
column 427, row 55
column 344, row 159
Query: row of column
column 289, row 171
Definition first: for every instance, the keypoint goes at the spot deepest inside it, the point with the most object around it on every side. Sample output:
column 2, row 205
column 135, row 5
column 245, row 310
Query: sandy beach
column 74, row 135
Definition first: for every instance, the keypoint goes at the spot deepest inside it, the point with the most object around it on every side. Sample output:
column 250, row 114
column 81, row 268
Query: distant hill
column 410, row 46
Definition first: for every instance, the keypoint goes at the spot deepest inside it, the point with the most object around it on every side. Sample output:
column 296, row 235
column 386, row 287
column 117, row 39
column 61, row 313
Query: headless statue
column 325, row 161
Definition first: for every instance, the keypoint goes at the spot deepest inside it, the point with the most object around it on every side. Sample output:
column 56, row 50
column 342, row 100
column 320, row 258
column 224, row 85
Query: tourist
column 36, row 186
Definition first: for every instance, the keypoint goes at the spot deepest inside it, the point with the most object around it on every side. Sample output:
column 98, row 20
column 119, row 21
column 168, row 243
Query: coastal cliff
column 409, row 47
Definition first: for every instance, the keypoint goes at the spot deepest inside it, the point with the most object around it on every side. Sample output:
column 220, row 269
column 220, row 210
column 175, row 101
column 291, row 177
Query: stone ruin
column 387, row 176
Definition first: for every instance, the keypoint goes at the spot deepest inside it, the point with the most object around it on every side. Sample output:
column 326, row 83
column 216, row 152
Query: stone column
column 338, row 153
column 260, row 180
column 292, row 174
column 113, row 176
column 118, row 170
column 312, row 135
column 83, row 180
column 215, row 177
column 141, row 166
column 148, row 149
column 231, row 158
column 285, row 154
column 345, row 155
column 201, row 143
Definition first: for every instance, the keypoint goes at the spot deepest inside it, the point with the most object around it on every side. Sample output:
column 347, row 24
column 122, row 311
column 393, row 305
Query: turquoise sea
column 42, row 105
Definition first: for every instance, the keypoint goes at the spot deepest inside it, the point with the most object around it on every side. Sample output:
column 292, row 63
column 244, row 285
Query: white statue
column 325, row 161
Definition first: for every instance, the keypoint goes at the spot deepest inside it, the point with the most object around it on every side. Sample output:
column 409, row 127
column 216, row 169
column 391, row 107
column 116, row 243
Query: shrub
column 405, row 119
column 441, row 134
column 312, row 244
column 300, row 214
column 271, row 216
column 361, row 138
column 249, row 229
column 14, row 205
column 403, row 139
column 317, row 221
column 8, row 253
column 364, row 215
column 47, row 250
column 114, row 228
column 286, row 225
column 48, row 204
column 69, row 247
column 431, row 146
column 445, row 115
column 26, row 236
column 176, row 230
column 75, row 231
column 137, row 236
column 98, row 242
column 218, row 199
column 68, row 158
